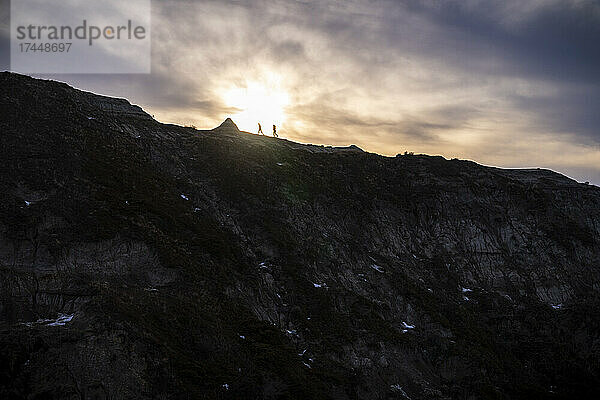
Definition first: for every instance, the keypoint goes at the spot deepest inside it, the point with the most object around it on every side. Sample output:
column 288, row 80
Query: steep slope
column 143, row 260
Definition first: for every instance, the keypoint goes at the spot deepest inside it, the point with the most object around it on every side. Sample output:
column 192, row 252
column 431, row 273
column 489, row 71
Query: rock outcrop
column 227, row 126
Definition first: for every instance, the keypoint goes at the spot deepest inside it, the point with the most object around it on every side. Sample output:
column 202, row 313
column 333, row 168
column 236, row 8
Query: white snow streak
column 377, row 268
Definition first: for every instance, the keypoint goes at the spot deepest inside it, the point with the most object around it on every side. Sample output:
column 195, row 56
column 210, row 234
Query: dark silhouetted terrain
column 143, row 260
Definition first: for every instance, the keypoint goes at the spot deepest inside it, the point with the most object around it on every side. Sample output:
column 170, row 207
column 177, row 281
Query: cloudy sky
column 510, row 83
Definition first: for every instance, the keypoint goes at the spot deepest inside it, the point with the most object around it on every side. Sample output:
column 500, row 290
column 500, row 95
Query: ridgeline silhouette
column 145, row 260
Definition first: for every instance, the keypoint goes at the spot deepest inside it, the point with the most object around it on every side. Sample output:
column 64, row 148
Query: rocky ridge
column 144, row 260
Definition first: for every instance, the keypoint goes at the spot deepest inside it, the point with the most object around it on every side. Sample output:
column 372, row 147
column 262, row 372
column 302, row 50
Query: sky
column 513, row 83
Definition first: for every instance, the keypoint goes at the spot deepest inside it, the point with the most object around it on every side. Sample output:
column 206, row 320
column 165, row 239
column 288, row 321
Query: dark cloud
column 552, row 39
column 574, row 111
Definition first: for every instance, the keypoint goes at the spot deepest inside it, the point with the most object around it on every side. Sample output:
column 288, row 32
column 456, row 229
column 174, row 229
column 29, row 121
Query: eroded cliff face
column 142, row 260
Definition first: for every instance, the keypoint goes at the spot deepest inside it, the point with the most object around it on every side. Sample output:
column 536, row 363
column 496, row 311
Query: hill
column 144, row 260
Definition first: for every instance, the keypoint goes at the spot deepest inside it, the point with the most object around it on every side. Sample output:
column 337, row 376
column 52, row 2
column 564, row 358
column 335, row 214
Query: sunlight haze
column 510, row 84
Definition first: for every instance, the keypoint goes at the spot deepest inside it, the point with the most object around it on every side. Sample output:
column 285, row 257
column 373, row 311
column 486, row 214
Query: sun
column 258, row 103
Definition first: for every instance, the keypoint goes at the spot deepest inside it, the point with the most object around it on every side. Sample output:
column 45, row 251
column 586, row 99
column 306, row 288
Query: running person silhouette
column 260, row 129
column 275, row 131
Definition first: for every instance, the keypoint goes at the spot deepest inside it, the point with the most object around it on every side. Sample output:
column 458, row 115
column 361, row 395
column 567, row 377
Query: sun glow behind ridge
column 258, row 102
